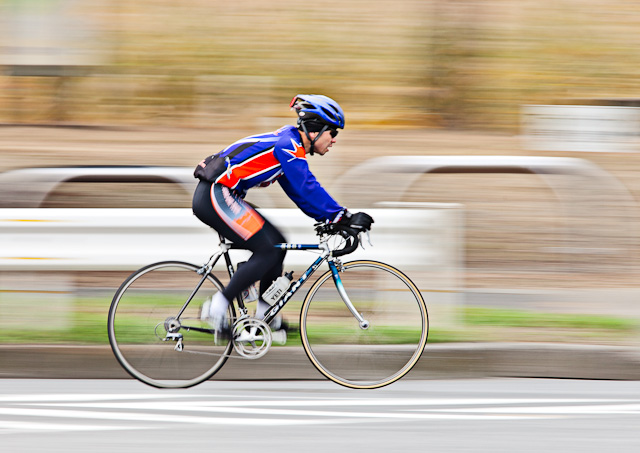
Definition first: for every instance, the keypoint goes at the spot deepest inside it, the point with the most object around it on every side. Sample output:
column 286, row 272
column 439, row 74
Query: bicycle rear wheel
column 364, row 357
column 152, row 339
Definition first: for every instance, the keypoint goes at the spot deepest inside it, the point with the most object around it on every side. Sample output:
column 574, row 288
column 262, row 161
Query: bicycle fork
column 364, row 324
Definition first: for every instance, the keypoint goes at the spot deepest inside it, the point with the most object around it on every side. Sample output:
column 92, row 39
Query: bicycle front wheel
column 364, row 356
column 155, row 329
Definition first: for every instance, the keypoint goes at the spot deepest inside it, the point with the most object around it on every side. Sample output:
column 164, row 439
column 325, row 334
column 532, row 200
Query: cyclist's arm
column 304, row 189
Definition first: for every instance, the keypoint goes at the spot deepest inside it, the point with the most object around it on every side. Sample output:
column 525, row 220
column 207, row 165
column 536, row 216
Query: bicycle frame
column 394, row 306
column 334, row 265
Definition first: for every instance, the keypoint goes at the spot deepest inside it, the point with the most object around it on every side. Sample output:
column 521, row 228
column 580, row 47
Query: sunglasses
column 333, row 132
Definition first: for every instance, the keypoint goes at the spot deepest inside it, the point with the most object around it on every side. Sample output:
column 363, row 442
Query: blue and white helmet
column 318, row 109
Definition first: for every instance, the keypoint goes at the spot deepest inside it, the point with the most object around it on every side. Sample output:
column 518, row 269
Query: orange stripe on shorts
column 235, row 212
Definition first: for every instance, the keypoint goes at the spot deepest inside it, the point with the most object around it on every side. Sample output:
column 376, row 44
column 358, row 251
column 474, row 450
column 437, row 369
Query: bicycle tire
column 137, row 332
column 364, row 358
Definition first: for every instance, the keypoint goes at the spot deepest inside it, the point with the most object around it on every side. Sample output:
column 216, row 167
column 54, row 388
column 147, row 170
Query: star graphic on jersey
column 297, row 151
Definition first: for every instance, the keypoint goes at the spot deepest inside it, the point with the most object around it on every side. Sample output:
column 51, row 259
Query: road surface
column 482, row 415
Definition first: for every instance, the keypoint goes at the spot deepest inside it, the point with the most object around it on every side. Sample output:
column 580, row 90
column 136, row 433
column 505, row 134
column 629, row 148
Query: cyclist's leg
column 231, row 216
column 275, row 256
column 265, row 264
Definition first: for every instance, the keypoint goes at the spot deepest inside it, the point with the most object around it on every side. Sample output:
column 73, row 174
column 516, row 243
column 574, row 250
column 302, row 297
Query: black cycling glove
column 360, row 221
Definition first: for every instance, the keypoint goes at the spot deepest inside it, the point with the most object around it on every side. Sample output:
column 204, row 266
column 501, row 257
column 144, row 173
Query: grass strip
column 88, row 325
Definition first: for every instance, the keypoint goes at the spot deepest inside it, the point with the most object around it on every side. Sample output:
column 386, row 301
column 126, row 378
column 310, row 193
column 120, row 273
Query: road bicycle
column 363, row 324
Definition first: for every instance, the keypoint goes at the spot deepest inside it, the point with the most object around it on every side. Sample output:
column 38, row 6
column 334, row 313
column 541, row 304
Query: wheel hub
column 172, row 325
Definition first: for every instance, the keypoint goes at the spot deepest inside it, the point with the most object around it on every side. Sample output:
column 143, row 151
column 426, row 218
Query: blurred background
column 541, row 250
column 410, row 63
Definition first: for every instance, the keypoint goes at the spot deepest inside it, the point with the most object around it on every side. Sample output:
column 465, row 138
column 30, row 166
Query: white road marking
column 40, row 426
column 61, row 412
column 146, row 417
column 567, row 410
column 93, row 397
column 343, row 402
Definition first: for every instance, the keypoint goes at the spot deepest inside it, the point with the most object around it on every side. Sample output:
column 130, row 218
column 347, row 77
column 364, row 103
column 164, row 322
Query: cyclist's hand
column 360, row 221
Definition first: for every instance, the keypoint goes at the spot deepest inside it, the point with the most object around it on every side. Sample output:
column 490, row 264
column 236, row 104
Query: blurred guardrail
column 34, row 241
column 29, row 187
column 599, row 215
column 416, row 237
column 423, row 239
column 38, row 238
column 581, row 188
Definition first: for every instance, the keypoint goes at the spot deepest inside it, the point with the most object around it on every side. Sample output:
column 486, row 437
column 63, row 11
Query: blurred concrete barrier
column 599, row 216
column 581, row 128
column 126, row 239
column 423, row 241
column 439, row 361
column 29, row 187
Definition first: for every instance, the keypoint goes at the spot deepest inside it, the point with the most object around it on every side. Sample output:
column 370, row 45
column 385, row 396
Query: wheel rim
column 145, row 332
column 364, row 358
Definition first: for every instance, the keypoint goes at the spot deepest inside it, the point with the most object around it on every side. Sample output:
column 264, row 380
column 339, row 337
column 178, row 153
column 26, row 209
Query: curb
column 439, row 361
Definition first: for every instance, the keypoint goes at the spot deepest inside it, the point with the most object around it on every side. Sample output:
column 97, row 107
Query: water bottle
column 251, row 293
column 277, row 288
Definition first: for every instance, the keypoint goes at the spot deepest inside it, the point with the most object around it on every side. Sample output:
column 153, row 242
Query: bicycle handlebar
column 346, row 232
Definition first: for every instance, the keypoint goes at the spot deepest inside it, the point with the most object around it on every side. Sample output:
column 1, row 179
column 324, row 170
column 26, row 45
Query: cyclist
column 260, row 160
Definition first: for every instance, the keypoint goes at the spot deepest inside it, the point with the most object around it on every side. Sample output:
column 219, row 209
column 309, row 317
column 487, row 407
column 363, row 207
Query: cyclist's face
column 323, row 143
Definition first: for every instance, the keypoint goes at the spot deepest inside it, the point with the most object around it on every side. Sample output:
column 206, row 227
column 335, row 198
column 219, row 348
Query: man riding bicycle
column 260, row 160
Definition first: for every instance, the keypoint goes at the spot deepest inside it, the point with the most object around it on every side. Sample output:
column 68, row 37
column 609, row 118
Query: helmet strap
column 312, row 142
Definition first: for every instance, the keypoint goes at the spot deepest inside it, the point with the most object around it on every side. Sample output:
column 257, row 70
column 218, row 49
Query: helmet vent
column 329, row 113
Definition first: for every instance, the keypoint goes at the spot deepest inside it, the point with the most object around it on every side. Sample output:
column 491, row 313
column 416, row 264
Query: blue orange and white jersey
column 260, row 160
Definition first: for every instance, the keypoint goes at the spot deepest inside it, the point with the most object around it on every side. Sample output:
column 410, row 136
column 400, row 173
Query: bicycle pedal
column 279, row 337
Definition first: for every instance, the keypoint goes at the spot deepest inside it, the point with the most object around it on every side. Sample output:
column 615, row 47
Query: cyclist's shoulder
column 289, row 142
column 287, row 130
column 285, row 135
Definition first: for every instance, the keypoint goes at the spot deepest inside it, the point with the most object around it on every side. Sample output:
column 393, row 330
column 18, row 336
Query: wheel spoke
column 144, row 327
column 364, row 356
